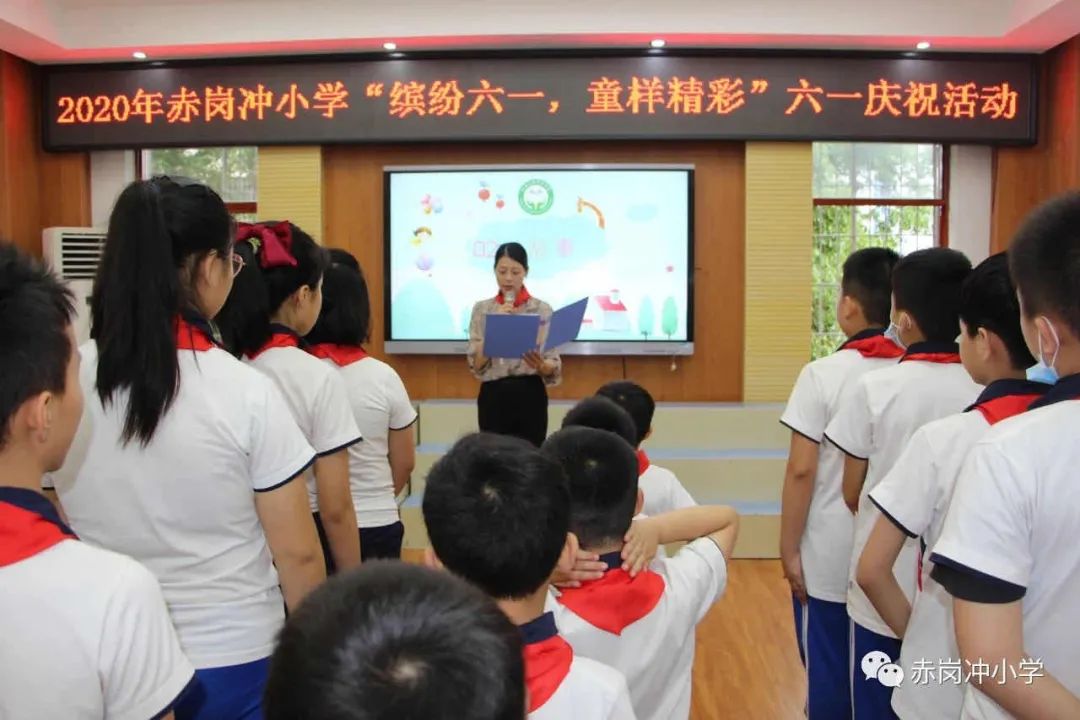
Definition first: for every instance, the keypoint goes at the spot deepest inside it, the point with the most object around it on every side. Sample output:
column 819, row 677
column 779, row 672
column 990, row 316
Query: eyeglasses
column 237, row 263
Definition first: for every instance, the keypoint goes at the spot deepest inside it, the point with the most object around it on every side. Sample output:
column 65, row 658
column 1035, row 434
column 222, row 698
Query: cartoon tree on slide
column 646, row 318
column 669, row 317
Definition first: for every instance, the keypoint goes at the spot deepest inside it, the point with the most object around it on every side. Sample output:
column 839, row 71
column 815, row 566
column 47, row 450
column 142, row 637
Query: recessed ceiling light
column 389, row 46
column 397, row 55
column 658, row 43
column 139, row 55
column 924, row 45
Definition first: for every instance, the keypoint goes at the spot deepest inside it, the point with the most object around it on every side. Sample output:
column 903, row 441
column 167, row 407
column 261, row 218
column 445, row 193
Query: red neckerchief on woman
column 872, row 343
column 1002, row 399
column 947, row 353
column 547, row 659
column 520, row 299
column 280, row 336
column 29, row 524
column 616, row 600
column 340, row 355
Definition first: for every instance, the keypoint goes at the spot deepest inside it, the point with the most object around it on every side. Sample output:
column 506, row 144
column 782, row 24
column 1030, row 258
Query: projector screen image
column 619, row 236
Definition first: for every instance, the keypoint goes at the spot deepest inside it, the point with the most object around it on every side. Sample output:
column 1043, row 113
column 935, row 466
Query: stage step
column 705, row 426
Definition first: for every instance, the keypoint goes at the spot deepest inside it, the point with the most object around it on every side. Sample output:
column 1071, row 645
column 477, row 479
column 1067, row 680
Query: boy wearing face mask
column 876, row 421
column 1008, row 553
column 815, row 526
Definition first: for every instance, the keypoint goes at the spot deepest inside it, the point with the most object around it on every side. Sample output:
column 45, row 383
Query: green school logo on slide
column 536, row 197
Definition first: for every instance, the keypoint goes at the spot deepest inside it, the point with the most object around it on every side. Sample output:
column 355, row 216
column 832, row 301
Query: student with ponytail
column 187, row 457
column 380, row 466
column 274, row 304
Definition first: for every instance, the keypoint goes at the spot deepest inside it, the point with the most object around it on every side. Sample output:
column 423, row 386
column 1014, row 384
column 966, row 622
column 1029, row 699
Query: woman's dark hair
column 343, row 257
column 158, row 229
column 346, row 308
column 258, row 292
column 514, row 251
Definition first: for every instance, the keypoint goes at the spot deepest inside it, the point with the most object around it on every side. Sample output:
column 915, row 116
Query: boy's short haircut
column 868, row 279
column 497, row 513
column 603, row 413
column 392, row 640
column 602, row 469
column 636, row 401
column 35, row 312
column 1044, row 259
column 344, row 258
column 926, row 285
column 988, row 300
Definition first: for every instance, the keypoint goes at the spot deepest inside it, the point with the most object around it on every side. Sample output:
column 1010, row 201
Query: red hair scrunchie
column 272, row 243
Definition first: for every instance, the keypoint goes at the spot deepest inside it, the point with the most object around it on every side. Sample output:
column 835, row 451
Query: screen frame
column 664, row 348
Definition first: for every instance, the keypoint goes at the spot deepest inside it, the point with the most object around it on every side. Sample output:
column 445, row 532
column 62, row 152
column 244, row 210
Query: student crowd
column 175, row 492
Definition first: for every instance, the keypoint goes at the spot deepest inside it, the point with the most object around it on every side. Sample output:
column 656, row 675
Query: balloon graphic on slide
column 485, row 193
column 499, row 202
column 424, row 262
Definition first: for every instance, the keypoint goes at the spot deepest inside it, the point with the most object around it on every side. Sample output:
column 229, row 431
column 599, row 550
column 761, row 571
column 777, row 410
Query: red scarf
column 876, row 346
column 1005, row 407
column 520, row 299
column 933, row 352
column 616, row 600
column 341, row 355
column 28, row 525
column 642, row 462
column 547, row 659
column 191, row 337
column 278, row 339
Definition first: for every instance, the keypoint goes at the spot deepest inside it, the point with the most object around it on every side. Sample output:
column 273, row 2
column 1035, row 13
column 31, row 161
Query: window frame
column 942, row 230
column 249, row 207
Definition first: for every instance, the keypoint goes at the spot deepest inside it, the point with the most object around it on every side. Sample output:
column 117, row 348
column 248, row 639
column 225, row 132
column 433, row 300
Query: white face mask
column 893, row 333
column 1043, row 371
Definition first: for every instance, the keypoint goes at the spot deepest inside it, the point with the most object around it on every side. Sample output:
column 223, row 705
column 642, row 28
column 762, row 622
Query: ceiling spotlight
column 658, row 43
column 924, row 45
column 389, row 46
column 139, row 55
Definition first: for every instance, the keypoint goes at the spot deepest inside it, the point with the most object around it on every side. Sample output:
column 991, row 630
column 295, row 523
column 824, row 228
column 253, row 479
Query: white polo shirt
column 915, row 496
column 317, row 399
column 656, row 652
column 84, row 632
column 184, row 506
column 661, row 488
column 875, row 422
column 379, row 404
column 818, row 393
column 588, row 691
column 1013, row 519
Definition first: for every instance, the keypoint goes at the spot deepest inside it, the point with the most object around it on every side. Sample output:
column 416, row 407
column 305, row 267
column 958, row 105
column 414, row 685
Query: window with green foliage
column 231, row 171
column 870, row 195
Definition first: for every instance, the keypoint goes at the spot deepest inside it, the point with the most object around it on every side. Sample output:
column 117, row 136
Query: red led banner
column 989, row 100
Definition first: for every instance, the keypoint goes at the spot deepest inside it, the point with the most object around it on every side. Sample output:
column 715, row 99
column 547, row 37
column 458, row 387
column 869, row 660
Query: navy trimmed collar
column 34, row 502
column 613, row 560
column 930, row 347
column 861, row 335
column 207, row 327
column 279, row 329
column 538, row 630
column 1066, row 388
column 1006, row 387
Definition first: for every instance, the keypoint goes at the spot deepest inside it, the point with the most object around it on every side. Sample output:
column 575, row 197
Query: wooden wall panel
column 1025, row 177
column 353, row 219
column 37, row 189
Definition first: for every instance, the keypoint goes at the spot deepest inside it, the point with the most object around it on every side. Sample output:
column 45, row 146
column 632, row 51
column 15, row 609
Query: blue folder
column 510, row 336
column 565, row 324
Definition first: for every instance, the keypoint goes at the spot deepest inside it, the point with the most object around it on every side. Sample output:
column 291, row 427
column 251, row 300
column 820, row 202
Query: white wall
column 110, row 172
column 970, row 194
